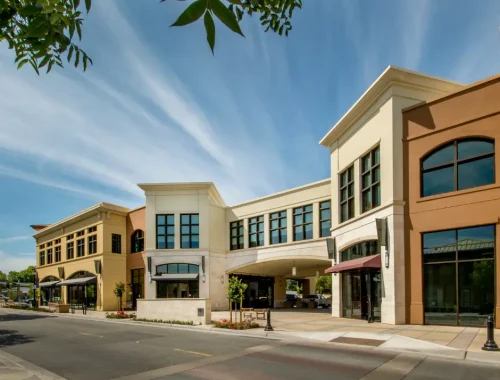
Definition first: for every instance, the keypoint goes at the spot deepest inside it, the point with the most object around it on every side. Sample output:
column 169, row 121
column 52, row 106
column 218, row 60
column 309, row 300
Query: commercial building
column 81, row 258
column 453, row 202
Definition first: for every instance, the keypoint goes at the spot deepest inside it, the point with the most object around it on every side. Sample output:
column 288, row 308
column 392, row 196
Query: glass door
column 356, row 295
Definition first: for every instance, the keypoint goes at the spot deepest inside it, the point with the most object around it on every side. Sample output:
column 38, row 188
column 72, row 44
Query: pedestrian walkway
column 469, row 339
column 14, row 368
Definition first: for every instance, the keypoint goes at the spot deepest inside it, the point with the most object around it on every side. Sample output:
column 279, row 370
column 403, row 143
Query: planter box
column 59, row 307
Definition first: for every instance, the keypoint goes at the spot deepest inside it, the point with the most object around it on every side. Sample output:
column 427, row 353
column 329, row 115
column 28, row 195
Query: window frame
column 92, row 244
column 116, row 239
column 279, row 228
column 304, row 223
column 240, row 238
column 329, row 220
column 166, row 234
column 57, row 253
column 455, row 163
column 257, row 221
column 370, row 171
column 139, row 239
column 349, row 198
column 50, row 257
column 42, row 258
column 190, row 234
column 78, row 245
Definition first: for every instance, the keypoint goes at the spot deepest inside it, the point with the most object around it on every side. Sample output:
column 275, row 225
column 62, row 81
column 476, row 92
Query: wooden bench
column 260, row 312
column 247, row 312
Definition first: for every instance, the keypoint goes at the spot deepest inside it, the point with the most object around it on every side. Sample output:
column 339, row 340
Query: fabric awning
column 363, row 262
column 78, row 281
column 175, row 276
column 48, row 284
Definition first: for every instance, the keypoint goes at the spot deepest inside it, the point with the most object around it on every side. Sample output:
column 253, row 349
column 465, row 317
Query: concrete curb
column 415, row 346
column 21, row 367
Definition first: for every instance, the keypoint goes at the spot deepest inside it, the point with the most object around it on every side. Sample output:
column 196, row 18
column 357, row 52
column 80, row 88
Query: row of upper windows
column 189, row 231
column 90, row 230
column 54, row 255
column 278, row 232
column 370, row 186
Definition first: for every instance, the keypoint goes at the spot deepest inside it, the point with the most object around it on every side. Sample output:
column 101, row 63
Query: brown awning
column 363, row 262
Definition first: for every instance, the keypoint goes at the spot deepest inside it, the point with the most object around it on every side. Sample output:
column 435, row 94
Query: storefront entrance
column 260, row 291
column 361, row 295
column 137, row 286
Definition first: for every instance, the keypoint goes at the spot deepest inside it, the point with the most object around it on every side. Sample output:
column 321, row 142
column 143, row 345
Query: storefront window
column 356, row 251
column 459, row 276
column 177, row 288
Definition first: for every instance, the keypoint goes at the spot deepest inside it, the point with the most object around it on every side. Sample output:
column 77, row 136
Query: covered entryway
column 81, row 290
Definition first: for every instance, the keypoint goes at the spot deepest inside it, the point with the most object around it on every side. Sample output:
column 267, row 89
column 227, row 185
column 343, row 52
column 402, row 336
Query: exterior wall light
column 317, row 272
column 294, row 269
column 204, row 277
column 382, row 232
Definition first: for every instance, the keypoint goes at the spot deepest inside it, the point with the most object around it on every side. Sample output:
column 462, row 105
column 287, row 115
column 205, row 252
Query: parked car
column 319, row 299
column 292, row 296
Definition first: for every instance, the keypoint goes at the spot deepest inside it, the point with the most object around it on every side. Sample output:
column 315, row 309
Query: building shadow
column 10, row 338
column 21, row 317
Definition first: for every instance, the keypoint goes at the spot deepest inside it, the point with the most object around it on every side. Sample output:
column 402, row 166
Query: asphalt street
column 83, row 349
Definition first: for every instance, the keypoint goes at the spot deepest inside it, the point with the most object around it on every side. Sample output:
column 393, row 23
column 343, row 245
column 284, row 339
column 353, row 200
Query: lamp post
column 33, row 272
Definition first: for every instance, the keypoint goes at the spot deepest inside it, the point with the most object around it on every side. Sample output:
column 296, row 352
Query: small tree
column 119, row 289
column 235, row 293
column 324, row 285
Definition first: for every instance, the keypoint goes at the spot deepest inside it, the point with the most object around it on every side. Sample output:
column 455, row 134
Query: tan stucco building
column 452, row 195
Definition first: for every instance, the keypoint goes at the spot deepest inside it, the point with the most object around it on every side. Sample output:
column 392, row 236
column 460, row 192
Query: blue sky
column 158, row 107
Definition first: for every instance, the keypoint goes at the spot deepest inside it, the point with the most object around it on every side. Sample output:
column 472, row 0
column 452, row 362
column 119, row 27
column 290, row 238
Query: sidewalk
column 14, row 368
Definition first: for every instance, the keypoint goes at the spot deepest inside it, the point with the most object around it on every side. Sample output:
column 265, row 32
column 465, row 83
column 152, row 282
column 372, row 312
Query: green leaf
column 88, row 4
column 20, row 56
column 85, row 62
column 192, row 13
column 226, row 16
column 77, row 58
column 44, row 61
column 210, row 29
column 29, row 10
column 51, row 63
column 33, row 64
column 70, row 52
column 79, row 30
column 22, row 63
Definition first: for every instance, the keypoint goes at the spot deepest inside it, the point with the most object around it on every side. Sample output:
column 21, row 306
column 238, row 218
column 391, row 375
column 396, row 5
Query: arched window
column 359, row 250
column 137, row 241
column 461, row 164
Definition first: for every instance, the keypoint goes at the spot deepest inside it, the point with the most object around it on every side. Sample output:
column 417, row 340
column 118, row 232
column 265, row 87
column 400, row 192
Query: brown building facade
column 452, row 196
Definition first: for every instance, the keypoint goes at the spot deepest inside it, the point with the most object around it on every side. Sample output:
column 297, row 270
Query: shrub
column 120, row 315
column 173, row 322
column 27, row 307
column 245, row 325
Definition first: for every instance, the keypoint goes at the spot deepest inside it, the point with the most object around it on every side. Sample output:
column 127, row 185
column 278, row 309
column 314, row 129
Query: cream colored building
column 366, row 152
column 80, row 258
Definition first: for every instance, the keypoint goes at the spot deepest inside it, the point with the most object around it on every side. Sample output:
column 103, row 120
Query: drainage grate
column 360, row 341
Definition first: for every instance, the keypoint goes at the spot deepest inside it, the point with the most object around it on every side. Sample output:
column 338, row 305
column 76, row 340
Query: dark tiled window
column 137, row 242
column 277, row 228
column 42, row 258
column 461, row 164
column 80, row 233
column 165, row 231
column 325, row 218
column 80, row 248
column 92, row 229
column 70, row 237
column 57, row 241
column 49, row 244
column 70, row 250
column 190, row 231
column 116, row 243
column 49, row 256
column 237, row 235
column 347, row 194
column 370, row 180
column 256, row 231
column 57, row 252
column 92, row 241
column 303, row 223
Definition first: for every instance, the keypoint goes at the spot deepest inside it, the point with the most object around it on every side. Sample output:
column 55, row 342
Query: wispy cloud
column 15, row 262
column 14, row 239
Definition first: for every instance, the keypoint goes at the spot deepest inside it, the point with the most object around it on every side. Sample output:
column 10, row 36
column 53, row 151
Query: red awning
column 363, row 262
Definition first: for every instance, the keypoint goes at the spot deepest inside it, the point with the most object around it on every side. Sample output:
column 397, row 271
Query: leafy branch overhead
column 44, row 32
column 275, row 15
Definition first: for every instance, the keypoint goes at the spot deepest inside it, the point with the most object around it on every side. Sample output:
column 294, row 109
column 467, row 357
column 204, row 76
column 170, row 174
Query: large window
column 278, row 231
column 303, row 223
column 459, row 165
column 256, row 231
column 92, row 241
column 357, row 251
column 190, row 231
column 137, row 242
column 70, row 250
column 116, row 243
column 57, row 251
column 237, row 235
column 42, row 258
column 370, row 180
column 177, row 288
column 49, row 256
column 325, row 218
column 165, row 232
column 80, row 248
column 347, row 194
column 459, row 276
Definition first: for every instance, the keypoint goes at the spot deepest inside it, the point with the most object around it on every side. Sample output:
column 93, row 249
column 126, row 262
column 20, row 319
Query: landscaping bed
column 120, row 315
column 242, row 325
column 27, row 307
column 173, row 322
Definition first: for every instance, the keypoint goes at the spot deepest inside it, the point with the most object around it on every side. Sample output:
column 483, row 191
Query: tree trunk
column 241, row 309
column 230, row 312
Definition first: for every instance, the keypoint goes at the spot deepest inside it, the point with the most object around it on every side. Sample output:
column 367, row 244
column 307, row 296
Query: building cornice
column 185, row 186
column 390, row 77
